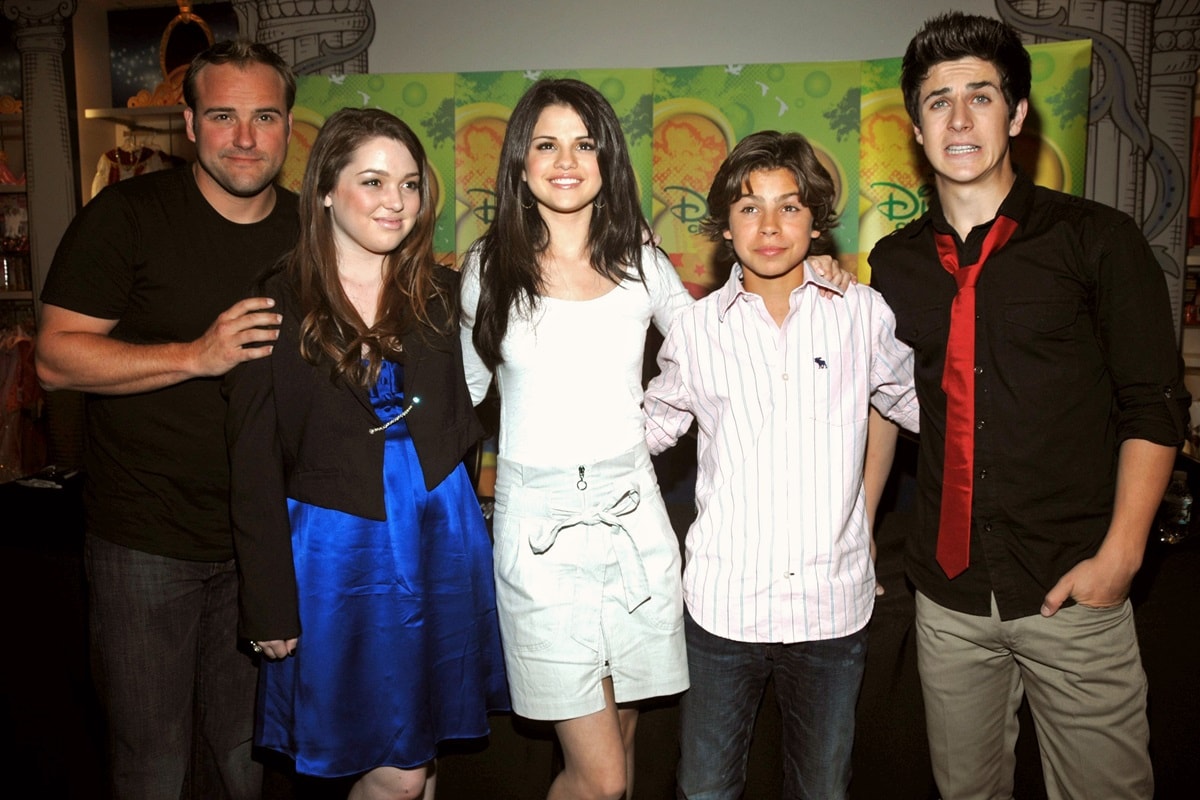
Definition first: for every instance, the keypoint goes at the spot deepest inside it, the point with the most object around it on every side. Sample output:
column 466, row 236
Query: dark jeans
column 816, row 685
column 175, row 689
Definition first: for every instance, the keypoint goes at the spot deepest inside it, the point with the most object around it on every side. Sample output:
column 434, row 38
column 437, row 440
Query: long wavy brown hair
column 510, row 273
column 330, row 327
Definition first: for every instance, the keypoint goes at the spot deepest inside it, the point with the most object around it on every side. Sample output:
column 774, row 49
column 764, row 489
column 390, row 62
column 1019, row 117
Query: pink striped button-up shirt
column 780, row 548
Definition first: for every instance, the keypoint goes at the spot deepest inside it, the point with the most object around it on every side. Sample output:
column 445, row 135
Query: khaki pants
column 1082, row 674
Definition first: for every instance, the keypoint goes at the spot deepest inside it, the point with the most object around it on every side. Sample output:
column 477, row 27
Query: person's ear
column 189, row 124
column 1018, row 117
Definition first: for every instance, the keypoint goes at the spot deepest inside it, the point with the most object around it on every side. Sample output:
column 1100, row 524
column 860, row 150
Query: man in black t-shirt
column 144, row 310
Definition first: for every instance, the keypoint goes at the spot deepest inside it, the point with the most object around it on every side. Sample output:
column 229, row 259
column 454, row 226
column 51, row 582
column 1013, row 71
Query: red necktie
column 958, row 382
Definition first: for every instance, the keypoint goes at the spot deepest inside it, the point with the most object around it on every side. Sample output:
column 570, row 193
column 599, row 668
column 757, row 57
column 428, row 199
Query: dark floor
column 51, row 730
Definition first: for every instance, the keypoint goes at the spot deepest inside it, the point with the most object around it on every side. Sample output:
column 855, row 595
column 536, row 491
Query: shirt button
column 785, row 376
column 979, row 370
column 979, row 425
column 987, row 526
column 983, row 473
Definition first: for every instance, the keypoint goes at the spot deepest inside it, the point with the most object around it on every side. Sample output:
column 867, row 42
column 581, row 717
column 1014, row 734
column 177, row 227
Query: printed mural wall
column 680, row 123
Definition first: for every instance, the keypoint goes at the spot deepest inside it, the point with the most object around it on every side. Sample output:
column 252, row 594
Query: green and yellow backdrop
column 681, row 122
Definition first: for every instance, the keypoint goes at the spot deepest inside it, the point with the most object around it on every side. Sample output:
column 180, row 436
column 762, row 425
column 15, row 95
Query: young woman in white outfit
column 557, row 299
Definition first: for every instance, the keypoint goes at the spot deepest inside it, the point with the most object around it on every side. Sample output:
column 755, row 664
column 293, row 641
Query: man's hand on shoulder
column 829, row 269
column 245, row 331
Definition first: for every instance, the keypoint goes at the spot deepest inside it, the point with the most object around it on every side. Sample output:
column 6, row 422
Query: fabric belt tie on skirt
column 608, row 511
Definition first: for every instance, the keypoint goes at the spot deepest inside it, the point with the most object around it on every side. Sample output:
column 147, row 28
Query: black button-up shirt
column 1075, row 352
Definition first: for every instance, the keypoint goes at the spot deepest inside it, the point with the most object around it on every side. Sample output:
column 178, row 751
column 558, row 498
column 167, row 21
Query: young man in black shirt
column 1052, row 403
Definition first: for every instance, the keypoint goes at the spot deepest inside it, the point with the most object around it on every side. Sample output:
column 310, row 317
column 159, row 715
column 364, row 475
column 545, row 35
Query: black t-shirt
column 153, row 254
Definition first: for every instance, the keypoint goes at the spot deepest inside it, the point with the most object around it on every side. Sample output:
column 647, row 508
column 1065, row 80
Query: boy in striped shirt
column 780, row 378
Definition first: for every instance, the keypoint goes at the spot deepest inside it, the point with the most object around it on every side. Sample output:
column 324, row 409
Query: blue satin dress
column 399, row 646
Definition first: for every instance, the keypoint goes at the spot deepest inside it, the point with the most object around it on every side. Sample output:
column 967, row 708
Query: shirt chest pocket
column 834, row 386
column 1042, row 342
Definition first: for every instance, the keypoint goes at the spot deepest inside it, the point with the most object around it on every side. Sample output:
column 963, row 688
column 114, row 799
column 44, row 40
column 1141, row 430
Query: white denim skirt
column 587, row 585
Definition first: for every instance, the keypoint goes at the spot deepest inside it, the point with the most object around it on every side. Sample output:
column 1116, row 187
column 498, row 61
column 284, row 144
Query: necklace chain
column 379, row 428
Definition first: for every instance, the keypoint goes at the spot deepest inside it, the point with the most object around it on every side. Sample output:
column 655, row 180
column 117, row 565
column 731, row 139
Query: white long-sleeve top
column 780, row 548
column 571, row 381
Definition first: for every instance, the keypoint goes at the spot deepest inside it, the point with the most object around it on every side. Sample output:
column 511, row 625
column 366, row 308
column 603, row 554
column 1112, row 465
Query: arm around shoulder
column 667, row 403
column 88, row 289
column 76, row 351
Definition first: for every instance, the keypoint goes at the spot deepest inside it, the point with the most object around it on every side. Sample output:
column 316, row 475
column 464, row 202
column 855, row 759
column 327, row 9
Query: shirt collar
column 1017, row 205
column 728, row 294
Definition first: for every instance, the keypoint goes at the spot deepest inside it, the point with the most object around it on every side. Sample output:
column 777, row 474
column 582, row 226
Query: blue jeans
column 816, row 685
column 176, row 691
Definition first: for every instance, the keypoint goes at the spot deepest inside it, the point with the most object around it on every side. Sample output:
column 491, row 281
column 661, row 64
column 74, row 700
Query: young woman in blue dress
column 366, row 569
